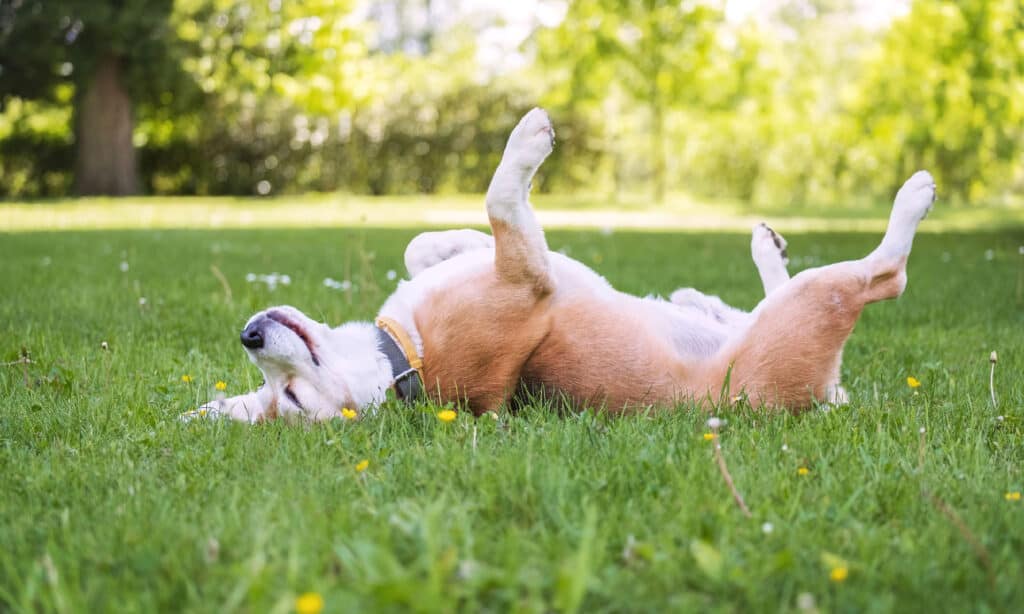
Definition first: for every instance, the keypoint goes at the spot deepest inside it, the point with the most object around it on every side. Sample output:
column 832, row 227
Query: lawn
column 901, row 501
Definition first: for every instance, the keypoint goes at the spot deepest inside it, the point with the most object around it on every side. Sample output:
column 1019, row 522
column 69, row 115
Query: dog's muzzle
column 252, row 336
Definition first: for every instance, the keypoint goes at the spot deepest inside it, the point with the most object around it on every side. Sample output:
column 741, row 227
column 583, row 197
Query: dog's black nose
column 252, row 336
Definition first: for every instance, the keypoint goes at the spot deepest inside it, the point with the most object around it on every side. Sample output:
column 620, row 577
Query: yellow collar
column 405, row 343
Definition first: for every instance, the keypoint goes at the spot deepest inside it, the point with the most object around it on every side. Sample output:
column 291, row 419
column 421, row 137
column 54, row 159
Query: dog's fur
column 498, row 317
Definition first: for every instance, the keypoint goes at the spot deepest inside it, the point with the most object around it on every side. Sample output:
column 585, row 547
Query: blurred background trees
column 775, row 103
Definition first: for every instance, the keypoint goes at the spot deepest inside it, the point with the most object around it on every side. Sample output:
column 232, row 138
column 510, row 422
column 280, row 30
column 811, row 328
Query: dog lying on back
column 485, row 319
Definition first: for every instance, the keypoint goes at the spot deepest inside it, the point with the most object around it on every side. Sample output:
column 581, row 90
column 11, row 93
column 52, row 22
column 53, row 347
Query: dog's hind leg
column 520, row 250
column 790, row 355
column 768, row 250
column 429, row 248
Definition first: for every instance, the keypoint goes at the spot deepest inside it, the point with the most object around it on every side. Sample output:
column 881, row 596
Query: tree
column 655, row 50
column 114, row 52
column 946, row 96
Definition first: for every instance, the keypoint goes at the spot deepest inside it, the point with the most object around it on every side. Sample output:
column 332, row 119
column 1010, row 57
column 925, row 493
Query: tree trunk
column 105, row 156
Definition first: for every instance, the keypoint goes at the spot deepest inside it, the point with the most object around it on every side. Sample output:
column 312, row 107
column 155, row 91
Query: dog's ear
column 249, row 407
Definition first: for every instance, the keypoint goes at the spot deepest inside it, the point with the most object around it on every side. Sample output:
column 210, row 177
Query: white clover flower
column 785, row 448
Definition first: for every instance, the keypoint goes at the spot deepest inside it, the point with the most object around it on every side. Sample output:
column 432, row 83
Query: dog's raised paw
column 532, row 139
column 914, row 200
column 767, row 246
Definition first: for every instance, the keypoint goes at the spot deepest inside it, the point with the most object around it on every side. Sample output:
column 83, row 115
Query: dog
column 485, row 320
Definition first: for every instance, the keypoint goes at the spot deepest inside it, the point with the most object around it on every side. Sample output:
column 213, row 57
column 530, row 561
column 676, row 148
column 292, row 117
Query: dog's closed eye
column 291, row 396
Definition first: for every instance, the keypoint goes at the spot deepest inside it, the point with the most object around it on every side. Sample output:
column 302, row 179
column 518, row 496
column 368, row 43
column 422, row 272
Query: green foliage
column 111, row 504
column 948, row 97
column 800, row 107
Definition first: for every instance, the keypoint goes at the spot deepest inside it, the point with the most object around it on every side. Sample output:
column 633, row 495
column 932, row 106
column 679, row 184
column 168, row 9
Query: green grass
column 109, row 503
column 679, row 212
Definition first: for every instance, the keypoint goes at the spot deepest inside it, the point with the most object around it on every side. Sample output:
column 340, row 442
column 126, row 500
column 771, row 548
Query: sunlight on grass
column 325, row 211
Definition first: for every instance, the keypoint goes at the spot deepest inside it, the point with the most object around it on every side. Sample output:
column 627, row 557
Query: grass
column 111, row 504
column 339, row 210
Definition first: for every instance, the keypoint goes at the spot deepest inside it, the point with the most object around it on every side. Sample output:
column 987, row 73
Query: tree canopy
column 802, row 103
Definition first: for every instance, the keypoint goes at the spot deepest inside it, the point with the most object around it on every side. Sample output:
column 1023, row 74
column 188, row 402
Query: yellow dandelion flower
column 1013, row 496
column 709, row 436
column 348, row 414
column 186, row 378
column 309, row 603
column 222, row 386
column 913, row 381
column 446, row 415
column 803, row 471
column 362, row 465
column 839, row 574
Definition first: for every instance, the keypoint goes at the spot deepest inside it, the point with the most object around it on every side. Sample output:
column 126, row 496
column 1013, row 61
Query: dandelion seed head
column 124, row 266
column 392, row 275
column 805, row 601
column 921, row 430
column 767, row 528
column 714, row 423
column 142, row 301
column 785, row 448
column 990, row 254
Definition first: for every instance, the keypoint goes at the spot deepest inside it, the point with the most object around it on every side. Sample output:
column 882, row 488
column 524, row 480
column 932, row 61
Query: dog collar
column 406, row 364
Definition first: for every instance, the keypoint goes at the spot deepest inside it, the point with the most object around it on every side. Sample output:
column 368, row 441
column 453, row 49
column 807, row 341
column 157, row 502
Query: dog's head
column 309, row 368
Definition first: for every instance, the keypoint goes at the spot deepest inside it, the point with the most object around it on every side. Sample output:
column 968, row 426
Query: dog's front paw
column 768, row 246
column 210, row 410
column 531, row 141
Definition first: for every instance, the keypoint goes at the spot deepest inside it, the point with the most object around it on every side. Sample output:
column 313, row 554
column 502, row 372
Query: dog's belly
column 618, row 352
column 482, row 339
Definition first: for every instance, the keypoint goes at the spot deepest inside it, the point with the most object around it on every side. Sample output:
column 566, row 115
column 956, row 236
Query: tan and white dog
column 488, row 319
